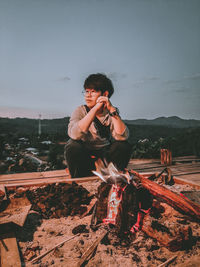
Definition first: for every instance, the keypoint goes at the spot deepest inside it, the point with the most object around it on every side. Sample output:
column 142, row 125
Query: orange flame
column 114, row 199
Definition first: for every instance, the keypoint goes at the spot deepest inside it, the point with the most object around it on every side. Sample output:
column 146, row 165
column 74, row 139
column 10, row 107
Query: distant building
column 46, row 142
column 143, row 140
column 32, row 150
column 9, row 158
column 23, row 139
column 34, row 160
column 7, row 147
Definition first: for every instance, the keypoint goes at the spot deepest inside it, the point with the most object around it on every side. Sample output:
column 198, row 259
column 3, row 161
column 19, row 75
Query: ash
column 40, row 234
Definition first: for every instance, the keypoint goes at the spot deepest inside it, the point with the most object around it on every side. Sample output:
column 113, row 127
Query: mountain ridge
column 172, row 121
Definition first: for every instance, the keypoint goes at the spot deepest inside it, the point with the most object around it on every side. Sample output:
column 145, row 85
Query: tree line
column 146, row 140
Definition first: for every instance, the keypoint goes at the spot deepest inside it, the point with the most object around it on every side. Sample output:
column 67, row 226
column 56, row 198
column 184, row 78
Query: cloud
column 181, row 90
column 153, row 78
column 187, row 91
column 145, row 80
column 194, row 76
column 117, row 76
column 64, row 79
column 172, row 82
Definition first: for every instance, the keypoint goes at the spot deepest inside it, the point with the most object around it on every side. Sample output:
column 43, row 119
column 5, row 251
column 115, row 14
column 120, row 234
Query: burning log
column 110, row 209
column 120, row 200
column 125, row 205
column 183, row 205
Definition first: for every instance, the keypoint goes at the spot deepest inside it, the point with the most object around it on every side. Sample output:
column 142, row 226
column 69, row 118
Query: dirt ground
column 39, row 235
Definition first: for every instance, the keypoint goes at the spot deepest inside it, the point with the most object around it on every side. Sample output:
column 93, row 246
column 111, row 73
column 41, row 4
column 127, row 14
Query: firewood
column 183, row 205
column 89, row 207
column 163, row 225
column 91, row 249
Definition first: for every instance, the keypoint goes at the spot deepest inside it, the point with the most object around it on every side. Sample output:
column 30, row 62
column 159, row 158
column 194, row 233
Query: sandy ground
column 39, row 235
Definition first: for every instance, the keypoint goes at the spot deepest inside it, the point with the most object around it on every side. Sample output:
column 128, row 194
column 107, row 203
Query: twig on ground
column 90, row 250
column 48, row 251
column 168, row 261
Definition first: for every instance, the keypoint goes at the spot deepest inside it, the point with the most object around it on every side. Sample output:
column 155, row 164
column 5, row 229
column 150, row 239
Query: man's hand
column 98, row 107
column 104, row 100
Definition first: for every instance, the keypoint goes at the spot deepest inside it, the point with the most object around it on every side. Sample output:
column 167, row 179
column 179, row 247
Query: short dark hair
column 99, row 82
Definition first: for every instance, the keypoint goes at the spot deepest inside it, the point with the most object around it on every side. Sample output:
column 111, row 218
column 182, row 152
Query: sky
column 150, row 49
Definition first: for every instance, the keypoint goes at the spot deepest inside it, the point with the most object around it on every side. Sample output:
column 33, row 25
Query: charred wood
column 163, row 225
column 181, row 204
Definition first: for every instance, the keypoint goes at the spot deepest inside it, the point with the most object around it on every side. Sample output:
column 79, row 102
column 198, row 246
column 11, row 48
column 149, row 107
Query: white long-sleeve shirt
column 92, row 138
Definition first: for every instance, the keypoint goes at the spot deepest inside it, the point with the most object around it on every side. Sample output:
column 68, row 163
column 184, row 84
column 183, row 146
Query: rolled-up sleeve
column 120, row 137
column 74, row 130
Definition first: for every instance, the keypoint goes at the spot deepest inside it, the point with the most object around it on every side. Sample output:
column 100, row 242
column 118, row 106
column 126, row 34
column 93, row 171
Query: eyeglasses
column 89, row 92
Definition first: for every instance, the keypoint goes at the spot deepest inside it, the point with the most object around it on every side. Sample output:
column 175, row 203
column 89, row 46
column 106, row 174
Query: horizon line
column 57, row 118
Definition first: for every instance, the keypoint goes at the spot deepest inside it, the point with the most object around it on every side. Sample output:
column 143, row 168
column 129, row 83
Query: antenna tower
column 39, row 125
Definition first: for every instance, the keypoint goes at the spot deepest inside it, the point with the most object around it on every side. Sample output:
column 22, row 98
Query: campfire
column 122, row 201
column 114, row 200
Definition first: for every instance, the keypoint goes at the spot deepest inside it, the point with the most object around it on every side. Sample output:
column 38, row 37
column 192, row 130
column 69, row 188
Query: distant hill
column 173, row 121
column 141, row 128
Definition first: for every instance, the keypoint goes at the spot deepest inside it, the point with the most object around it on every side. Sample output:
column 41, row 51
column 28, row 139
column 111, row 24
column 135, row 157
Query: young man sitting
column 96, row 130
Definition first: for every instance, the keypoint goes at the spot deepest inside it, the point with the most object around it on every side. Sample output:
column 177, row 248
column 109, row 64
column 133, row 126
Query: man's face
column 91, row 97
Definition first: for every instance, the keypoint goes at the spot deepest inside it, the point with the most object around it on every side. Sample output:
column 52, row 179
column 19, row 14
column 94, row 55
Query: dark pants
column 79, row 160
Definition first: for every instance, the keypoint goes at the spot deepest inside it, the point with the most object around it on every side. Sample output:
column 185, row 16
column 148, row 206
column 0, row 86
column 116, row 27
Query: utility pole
column 39, row 125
